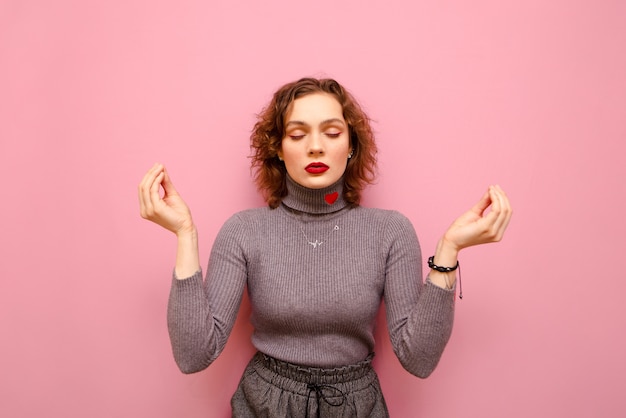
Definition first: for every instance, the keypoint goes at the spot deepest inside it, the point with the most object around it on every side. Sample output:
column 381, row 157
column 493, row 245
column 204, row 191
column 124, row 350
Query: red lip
column 316, row 168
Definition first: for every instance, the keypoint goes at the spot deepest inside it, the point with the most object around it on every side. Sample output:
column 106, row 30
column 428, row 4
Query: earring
column 350, row 155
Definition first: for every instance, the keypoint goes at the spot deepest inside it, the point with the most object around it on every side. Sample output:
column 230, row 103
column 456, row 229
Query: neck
column 326, row 200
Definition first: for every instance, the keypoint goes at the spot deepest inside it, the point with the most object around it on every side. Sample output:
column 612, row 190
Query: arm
column 200, row 315
column 419, row 315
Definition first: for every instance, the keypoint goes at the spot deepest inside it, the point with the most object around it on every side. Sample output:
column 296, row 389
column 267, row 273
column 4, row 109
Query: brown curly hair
column 269, row 131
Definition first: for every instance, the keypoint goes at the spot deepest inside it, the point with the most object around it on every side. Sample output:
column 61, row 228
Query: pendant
column 316, row 243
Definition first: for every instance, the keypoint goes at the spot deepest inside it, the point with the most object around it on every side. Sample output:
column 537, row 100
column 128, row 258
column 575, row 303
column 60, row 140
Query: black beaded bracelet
column 432, row 265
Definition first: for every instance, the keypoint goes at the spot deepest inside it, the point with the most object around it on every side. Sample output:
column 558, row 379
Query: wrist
column 446, row 253
column 187, row 233
column 187, row 254
column 444, row 265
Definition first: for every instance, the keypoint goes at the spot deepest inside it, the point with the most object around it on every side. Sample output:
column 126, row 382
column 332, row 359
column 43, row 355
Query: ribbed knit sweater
column 316, row 270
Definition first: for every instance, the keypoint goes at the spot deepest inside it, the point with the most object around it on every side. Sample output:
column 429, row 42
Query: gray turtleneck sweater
column 316, row 270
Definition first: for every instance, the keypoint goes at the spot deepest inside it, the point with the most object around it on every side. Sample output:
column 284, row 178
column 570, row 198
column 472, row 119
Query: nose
column 316, row 146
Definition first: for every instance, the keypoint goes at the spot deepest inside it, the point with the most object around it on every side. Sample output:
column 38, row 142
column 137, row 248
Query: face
column 316, row 144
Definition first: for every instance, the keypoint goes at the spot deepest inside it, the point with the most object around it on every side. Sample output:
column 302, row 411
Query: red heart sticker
column 330, row 198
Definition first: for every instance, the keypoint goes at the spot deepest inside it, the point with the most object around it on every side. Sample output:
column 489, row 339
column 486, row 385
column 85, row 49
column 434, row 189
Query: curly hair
column 269, row 130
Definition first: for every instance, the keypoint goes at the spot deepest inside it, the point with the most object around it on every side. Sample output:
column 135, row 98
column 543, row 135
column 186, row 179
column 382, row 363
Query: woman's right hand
column 169, row 211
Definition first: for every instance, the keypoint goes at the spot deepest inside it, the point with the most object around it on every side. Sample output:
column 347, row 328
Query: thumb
column 483, row 203
column 167, row 184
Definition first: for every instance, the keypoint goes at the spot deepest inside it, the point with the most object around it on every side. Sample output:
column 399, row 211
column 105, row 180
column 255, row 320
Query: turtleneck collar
column 315, row 201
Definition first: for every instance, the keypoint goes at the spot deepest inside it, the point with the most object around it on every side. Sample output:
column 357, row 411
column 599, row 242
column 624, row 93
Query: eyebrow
column 324, row 122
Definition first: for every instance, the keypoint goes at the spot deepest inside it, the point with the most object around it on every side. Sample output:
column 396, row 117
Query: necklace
column 317, row 243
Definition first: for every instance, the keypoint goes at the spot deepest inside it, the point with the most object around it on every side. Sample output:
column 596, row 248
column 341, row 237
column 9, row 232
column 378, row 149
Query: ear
column 280, row 155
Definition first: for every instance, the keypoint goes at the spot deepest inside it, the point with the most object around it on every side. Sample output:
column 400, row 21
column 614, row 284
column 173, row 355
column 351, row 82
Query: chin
column 315, row 183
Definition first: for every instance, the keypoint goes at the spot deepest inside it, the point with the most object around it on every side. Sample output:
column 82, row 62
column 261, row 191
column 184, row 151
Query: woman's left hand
column 475, row 227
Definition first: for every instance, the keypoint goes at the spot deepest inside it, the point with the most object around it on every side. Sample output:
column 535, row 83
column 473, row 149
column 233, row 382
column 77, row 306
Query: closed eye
column 333, row 134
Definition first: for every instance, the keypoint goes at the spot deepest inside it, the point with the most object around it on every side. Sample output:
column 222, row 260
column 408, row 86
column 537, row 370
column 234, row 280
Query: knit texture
column 316, row 270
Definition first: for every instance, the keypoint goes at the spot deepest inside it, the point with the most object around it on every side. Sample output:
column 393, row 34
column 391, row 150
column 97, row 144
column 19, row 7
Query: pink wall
column 528, row 94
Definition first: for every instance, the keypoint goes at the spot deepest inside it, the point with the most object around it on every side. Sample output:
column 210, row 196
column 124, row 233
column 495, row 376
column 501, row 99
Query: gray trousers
column 274, row 388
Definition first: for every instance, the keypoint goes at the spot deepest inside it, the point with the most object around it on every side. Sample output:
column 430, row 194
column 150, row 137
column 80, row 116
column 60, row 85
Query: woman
column 316, row 265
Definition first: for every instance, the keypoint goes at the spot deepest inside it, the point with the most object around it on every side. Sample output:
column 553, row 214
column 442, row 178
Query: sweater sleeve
column 419, row 315
column 201, row 314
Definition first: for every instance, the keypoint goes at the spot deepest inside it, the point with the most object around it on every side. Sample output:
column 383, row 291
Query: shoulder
column 393, row 228
column 252, row 214
column 239, row 229
column 252, row 219
column 391, row 219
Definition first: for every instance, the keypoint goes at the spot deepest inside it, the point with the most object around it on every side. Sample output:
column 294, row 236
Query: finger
column 146, row 203
column 504, row 213
column 507, row 209
column 151, row 173
column 499, row 213
column 143, row 184
column 155, row 187
column 152, row 199
column 494, row 203
column 505, row 200
column 489, row 224
column 482, row 205
column 148, row 178
column 167, row 184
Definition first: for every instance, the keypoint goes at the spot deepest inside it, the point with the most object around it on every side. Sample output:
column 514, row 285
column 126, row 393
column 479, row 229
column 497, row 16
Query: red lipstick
column 316, row 168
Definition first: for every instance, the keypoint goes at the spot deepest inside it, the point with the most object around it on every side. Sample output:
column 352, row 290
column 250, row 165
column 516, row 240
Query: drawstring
column 319, row 393
column 460, row 284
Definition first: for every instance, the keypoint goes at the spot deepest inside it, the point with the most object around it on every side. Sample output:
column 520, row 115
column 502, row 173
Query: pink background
column 528, row 94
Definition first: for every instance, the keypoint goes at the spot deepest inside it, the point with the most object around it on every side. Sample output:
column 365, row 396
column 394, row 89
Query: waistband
column 331, row 386
column 316, row 375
